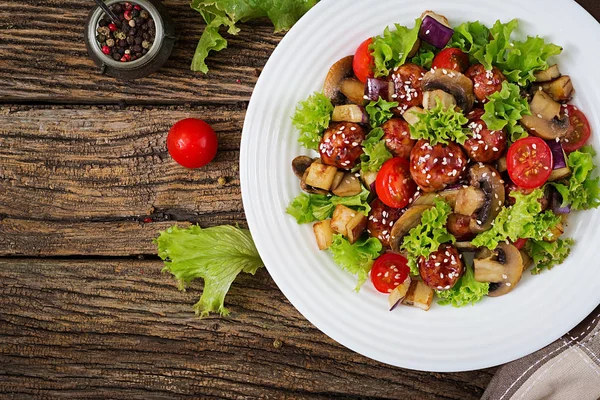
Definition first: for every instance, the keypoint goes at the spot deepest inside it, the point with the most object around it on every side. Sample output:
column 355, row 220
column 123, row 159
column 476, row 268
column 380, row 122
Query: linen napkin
column 567, row 369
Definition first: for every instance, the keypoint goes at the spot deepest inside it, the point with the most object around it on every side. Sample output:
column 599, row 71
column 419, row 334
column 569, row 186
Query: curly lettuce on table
column 227, row 13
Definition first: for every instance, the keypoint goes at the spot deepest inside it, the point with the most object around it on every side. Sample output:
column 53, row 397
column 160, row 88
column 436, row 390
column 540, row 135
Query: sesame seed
column 386, row 274
column 508, row 284
column 504, row 276
column 352, row 128
column 389, row 290
column 427, row 32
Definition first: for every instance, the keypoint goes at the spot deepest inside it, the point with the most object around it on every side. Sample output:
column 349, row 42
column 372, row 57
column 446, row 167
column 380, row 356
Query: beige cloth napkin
column 568, row 369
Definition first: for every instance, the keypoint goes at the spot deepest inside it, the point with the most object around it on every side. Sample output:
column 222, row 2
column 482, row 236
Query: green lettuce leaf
column 441, row 126
column 424, row 56
column 216, row 254
column 355, row 258
column 580, row 191
column 217, row 13
column 466, row 291
column 392, row 48
column 311, row 118
column 315, row 207
column 380, row 111
column 523, row 220
column 425, row 238
column 471, row 37
column 375, row 151
column 504, row 110
column 546, row 255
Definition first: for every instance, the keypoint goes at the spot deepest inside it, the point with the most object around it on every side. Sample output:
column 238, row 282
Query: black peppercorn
column 138, row 40
column 144, row 27
column 145, row 51
column 138, row 55
column 125, row 28
column 130, row 40
column 146, row 36
column 101, row 38
column 103, row 22
column 135, row 13
column 151, row 23
column 116, row 56
column 117, row 8
column 122, row 43
column 133, row 58
column 137, row 48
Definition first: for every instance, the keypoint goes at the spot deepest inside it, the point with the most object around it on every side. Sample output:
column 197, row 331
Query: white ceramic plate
column 495, row 331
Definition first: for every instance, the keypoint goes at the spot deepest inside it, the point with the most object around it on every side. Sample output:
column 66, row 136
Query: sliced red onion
column 435, row 33
column 396, row 304
column 376, row 88
column 558, row 154
column 556, row 203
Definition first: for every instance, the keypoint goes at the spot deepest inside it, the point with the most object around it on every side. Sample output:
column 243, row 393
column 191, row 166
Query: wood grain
column 43, row 59
column 120, row 328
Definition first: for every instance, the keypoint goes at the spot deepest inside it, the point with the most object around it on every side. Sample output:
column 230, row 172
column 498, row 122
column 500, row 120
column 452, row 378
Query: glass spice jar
column 157, row 54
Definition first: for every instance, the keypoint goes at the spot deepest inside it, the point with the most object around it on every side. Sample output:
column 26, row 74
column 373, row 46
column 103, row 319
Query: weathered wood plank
column 43, row 58
column 114, row 328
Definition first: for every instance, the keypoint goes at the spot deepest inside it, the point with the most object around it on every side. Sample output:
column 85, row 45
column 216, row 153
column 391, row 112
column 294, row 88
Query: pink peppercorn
column 137, row 7
column 127, row 15
column 106, row 49
column 128, row 6
column 112, row 27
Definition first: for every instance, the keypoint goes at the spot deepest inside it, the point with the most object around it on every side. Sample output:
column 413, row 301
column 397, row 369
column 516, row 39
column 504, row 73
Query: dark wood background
column 84, row 309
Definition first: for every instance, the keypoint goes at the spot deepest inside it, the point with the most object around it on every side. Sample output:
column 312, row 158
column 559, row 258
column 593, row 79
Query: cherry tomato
column 394, row 185
column 451, row 58
column 520, row 243
column 389, row 271
column 192, row 143
column 579, row 129
column 363, row 63
column 529, row 162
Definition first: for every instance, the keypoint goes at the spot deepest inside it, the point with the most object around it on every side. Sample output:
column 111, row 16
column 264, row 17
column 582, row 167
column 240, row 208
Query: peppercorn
column 132, row 23
column 110, row 42
column 139, row 21
column 151, row 23
column 135, row 13
column 129, row 40
column 137, row 7
column 106, row 50
column 144, row 27
column 138, row 55
column 116, row 56
column 111, row 27
column 128, row 6
column 145, row 44
column 103, row 30
column 117, row 9
column 146, row 36
column 125, row 28
column 133, row 32
column 123, row 43
column 127, row 15
column 119, row 35
column 103, row 22
column 144, row 14
column 138, row 40
column 101, row 38
column 145, row 51
column 137, row 48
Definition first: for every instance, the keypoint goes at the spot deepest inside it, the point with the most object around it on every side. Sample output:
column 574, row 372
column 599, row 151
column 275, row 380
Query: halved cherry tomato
column 363, row 63
column 529, row 162
column 389, row 271
column 451, row 58
column 394, row 185
column 579, row 129
column 520, row 243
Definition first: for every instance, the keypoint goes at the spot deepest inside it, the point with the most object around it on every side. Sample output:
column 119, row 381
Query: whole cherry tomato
column 363, row 62
column 451, row 58
column 192, row 143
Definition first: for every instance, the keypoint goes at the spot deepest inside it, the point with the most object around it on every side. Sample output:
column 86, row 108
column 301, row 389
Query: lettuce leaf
column 216, row 254
column 523, row 220
column 441, row 126
column 580, row 191
column 504, row 110
column 217, row 13
column 356, row 258
column 424, row 56
column 380, row 111
column 471, row 37
column 392, row 48
column 466, row 291
column 311, row 118
column 546, row 255
column 315, row 207
column 425, row 238
column 375, row 151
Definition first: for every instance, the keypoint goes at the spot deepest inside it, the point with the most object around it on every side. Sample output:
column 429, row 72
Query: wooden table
column 86, row 184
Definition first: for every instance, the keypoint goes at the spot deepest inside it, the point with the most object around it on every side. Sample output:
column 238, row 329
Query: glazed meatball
column 435, row 167
column 485, row 145
column 341, row 145
column 485, row 82
column 397, row 137
column 458, row 226
column 407, row 87
column 442, row 269
column 381, row 220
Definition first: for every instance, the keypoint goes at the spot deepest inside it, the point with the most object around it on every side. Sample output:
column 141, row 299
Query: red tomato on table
column 363, row 62
column 579, row 129
column 192, row 143
column 389, row 271
column 451, row 58
column 394, row 185
column 529, row 162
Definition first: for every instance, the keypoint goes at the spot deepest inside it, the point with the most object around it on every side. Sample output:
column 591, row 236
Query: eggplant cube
column 560, row 90
column 412, row 115
column 419, row 295
column 431, row 97
column 356, row 227
column 548, row 74
column 323, row 233
column 320, row 175
column 350, row 113
column 399, row 293
column 342, row 215
column 555, row 233
column 349, row 185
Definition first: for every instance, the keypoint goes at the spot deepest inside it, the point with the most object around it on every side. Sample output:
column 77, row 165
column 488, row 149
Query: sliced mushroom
column 300, row 164
column 546, row 119
column 428, row 199
column 502, row 267
column 560, row 89
column 465, row 246
column 431, row 97
column 548, row 74
column 348, row 186
column 487, row 179
column 451, row 82
column 408, row 220
column 337, row 73
column 469, row 200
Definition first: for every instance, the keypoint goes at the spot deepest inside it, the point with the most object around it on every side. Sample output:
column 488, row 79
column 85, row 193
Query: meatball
column 407, row 87
column 435, row 167
column 341, row 145
column 485, row 82
column 397, row 137
column 442, row 269
column 485, row 145
column 458, row 226
column 381, row 220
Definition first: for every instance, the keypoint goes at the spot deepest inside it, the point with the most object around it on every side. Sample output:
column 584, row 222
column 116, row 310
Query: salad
column 448, row 161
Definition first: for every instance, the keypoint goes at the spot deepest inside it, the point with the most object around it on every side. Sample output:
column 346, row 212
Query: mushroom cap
column 340, row 70
column 453, row 82
column 502, row 267
column 408, row 220
column 486, row 178
column 547, row 119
